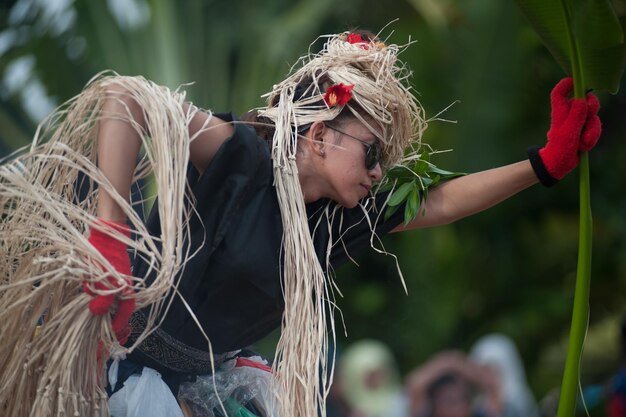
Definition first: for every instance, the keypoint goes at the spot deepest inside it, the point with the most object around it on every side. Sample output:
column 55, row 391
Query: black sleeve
column 241, row 164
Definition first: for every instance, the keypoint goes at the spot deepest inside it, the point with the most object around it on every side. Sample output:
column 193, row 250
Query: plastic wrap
column 144, row 395
column 243, row 391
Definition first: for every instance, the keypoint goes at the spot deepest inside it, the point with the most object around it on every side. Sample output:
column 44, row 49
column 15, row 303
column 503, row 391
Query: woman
column 449, row 384
column 244, row 238
column 368, row 382
column 499, row 353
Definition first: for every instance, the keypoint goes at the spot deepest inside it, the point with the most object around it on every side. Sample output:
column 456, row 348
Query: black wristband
column 540, row 169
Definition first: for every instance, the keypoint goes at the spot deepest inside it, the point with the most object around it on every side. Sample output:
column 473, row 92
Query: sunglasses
column 373, row 151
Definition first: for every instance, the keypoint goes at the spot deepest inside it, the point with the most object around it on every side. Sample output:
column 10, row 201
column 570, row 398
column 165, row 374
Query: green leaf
column 409, row 213
column 390, row 211
column 594, row 23
column 549, row 20
column 412, row 206
column 411, row 183
column 600, row 49
column 443, row 172
column 427, row 181
column 399, row 195
column 384, row 188
column 420, row 167
column 401, row 173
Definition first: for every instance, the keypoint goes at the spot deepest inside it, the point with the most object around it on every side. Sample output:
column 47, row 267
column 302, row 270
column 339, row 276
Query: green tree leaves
column 409, row 183
column 583, row 31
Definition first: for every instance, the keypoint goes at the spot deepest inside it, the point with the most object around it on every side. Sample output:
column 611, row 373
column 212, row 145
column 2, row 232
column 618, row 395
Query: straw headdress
column 384, row 104
column 45, row 213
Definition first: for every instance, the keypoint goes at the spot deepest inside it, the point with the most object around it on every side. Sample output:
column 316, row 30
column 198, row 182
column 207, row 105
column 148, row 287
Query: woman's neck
column 309, row 180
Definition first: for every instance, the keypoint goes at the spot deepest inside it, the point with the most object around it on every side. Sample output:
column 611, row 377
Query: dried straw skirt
column 53, row 350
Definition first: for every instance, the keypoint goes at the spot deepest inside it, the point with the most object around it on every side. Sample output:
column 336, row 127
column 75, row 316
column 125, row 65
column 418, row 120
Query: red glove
column 116, row 253
column 593, row 126
column 574, row 127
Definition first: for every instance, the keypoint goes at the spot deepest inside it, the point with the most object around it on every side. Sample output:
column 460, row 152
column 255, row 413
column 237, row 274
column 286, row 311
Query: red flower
column 338, row 94
column 355, row 38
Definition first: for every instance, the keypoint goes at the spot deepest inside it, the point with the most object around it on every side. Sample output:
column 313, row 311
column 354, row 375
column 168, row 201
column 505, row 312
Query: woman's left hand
column 574, row 127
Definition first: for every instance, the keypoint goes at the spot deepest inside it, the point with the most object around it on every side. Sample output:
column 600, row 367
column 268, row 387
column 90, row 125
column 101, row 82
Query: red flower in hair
column 338, row 94
column 355, row 38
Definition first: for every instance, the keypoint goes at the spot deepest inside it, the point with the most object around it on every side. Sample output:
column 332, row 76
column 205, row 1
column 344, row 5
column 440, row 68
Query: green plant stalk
column 580, row 311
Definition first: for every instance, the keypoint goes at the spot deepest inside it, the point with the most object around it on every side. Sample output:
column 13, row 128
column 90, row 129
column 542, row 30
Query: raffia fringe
column 49, row 341
column 45, row 250
column 303, row 368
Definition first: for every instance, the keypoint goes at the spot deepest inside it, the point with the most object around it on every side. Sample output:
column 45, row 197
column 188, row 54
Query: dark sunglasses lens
column 372, row 157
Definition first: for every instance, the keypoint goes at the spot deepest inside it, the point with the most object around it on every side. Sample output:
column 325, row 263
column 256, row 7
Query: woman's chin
column 348, row 201
column 352, row 203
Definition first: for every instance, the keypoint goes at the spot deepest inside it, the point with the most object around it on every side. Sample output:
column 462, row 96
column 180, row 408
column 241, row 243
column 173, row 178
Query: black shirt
column 233, row 281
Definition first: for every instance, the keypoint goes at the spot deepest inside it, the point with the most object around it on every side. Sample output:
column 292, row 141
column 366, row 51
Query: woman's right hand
column 116, row 254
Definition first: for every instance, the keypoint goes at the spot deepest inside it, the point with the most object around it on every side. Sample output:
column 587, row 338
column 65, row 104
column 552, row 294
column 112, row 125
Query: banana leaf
column 586, row 38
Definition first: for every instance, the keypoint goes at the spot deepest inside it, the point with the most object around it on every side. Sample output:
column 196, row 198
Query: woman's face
column 347, row 178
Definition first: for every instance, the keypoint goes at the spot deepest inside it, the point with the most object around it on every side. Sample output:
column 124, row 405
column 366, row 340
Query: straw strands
column 47, row 202
column 51, row 359
column 303, row 372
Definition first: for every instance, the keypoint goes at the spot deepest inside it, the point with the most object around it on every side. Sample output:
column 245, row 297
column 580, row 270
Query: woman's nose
column 376, row 173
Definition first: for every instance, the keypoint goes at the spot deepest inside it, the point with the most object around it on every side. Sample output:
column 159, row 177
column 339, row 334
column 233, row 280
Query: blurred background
column 509, row 270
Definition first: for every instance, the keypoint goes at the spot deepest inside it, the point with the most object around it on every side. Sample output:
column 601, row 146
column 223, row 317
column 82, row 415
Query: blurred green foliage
column 510, row 269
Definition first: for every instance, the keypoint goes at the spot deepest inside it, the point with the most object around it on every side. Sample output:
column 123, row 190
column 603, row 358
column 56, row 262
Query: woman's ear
column 316, row 138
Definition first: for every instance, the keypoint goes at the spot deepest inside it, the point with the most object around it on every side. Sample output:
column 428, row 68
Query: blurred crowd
column 487, row 381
